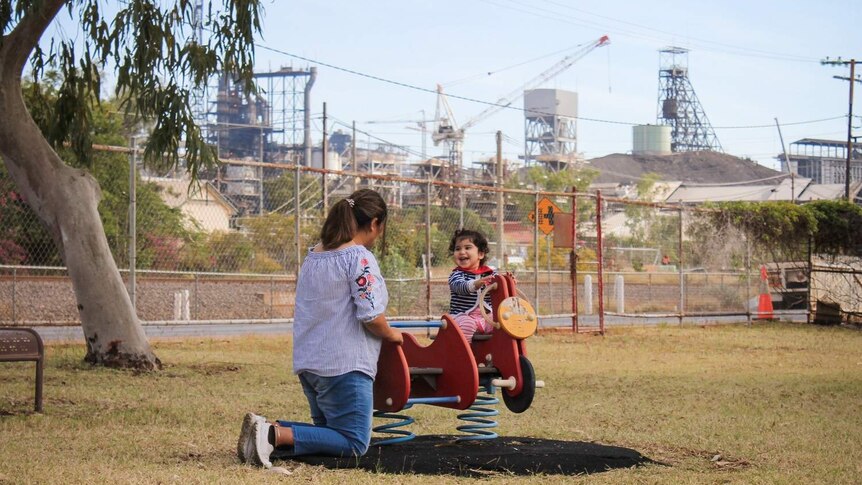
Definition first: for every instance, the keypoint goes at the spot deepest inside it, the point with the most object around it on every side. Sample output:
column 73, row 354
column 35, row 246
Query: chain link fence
column 228, row 249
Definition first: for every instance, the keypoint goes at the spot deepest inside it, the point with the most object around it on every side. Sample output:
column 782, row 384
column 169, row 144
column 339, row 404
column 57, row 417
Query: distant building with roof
column 823, row 161
column 203, row 206
column 615, row 221
column 790, row 189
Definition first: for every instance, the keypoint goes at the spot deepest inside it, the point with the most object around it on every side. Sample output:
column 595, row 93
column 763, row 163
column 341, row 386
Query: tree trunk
column 66, row 200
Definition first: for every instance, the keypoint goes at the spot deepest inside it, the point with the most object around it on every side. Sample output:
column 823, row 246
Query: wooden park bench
column 24, row 345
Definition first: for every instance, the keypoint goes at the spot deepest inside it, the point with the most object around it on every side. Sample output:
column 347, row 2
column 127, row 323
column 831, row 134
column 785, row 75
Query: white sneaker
column 244, row 446
column 261, row 448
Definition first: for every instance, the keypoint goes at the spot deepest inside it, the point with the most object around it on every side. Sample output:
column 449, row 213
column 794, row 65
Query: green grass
column 779, row 403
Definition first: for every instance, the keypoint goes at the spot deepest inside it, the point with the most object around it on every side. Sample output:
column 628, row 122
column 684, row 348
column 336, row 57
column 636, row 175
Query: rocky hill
column 693, row 167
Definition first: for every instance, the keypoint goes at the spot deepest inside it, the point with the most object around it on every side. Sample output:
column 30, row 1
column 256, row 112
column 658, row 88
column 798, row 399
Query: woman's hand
column 395, row 337
column 380, row 327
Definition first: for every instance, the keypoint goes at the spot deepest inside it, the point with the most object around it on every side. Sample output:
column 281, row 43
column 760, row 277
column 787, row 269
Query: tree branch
column 18, row 44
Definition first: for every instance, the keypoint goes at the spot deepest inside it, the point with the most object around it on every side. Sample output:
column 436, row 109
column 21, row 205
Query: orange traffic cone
column 764, row 304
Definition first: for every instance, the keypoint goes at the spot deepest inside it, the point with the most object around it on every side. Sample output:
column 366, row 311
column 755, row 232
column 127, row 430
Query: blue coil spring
column 400, row 435
column 478, row 417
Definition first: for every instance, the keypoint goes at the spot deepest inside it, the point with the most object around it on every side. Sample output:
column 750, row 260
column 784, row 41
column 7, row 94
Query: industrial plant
column 256, row 132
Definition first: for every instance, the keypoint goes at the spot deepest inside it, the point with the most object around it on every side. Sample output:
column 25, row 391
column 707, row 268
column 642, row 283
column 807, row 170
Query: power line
column 808, row 122
column 705, row 44
column 427, row 90
column 503, row 106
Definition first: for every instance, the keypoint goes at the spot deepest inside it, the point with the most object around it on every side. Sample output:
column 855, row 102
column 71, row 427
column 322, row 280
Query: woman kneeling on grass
column 339, row 324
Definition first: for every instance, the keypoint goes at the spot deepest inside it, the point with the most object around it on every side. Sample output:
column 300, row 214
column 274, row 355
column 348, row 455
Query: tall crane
column 446, row 129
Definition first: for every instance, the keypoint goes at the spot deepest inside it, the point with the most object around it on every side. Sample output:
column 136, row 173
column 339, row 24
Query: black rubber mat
column 441, row 455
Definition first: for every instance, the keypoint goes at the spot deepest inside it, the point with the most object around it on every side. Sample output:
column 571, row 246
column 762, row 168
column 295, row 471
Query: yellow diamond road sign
column 547, row 210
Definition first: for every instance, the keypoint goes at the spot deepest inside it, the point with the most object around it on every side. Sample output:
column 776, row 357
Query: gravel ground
column 51, row 301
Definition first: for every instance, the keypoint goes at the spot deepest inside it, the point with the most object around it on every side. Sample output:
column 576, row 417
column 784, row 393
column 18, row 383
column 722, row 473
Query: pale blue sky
column 750, row 62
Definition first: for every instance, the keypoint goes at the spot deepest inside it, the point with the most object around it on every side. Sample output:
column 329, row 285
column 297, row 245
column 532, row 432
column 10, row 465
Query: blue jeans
column 341, row 409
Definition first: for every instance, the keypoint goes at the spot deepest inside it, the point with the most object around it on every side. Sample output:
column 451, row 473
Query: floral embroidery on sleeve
column 365, row 281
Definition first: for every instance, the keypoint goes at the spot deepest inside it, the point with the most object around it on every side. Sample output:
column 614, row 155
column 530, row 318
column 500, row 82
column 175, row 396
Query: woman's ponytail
column 351, row 214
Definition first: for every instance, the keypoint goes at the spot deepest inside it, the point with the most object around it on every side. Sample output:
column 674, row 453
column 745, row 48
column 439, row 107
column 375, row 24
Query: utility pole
column 306, row 117
column 501, row 255
column 260, row 173
column 853, row 80
column 353, row 155
column 422, row 126
column 325, row 155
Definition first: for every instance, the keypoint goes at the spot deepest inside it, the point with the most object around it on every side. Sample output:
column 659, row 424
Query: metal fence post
column 324, row 176
column 574, row 259
column 747, row 280
column 428, row 250
column 808, row 305
column 297, row 215
column 133, row 229
column 550, row 273
column 601, row 276
column 461, row 204
column 536, row 250
column 681, row 270
column 14, row 290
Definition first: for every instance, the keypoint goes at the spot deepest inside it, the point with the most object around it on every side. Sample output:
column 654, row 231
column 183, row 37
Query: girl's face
column 467, row 255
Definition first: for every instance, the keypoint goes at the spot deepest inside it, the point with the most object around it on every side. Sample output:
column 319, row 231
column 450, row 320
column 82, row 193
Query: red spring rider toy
column 450, row 371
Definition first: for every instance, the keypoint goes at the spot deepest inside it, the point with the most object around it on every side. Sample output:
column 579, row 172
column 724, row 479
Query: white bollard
column 588, row 295
column 620, row 293
column 186, row 313
column 178, row 305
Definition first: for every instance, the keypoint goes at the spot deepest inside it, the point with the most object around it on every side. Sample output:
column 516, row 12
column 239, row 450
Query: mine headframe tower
column 679, row 107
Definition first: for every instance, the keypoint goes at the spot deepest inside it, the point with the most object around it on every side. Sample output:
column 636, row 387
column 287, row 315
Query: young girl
column 469, row 248
column 339, row 324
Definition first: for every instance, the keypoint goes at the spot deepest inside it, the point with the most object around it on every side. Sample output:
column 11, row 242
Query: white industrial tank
column 651, row 140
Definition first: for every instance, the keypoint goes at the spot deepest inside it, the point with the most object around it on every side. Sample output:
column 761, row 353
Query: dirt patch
column 215, row 368
column 441, row 455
